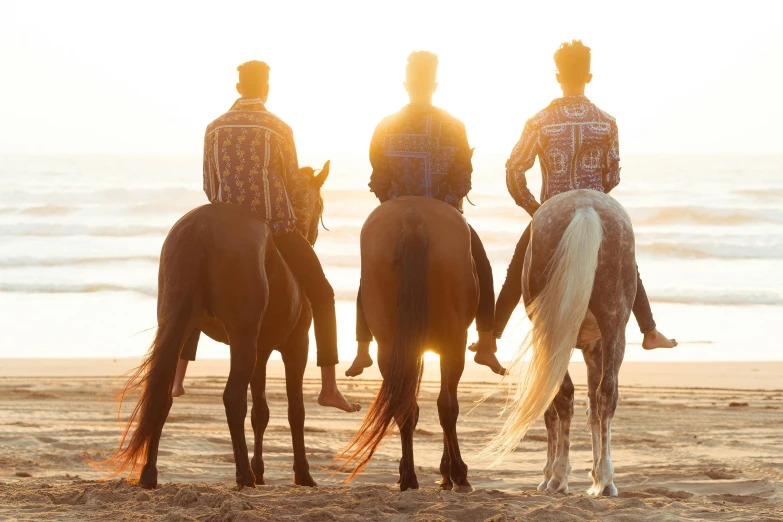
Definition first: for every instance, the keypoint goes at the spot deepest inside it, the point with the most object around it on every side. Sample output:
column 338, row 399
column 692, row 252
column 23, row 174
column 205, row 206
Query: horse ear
column 320, row 179
column 471, row 152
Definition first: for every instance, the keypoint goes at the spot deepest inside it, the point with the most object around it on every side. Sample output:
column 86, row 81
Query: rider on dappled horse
column 250, row 161
column 578, row 148
column 423, row 151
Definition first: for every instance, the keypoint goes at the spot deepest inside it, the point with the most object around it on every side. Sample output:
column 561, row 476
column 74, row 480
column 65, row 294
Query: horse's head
column 317, row 203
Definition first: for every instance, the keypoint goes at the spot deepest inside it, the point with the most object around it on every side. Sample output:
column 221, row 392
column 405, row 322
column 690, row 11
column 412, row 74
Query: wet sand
column 681, row 450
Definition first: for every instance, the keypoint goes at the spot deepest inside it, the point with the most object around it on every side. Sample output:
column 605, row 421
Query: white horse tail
column 557, row 314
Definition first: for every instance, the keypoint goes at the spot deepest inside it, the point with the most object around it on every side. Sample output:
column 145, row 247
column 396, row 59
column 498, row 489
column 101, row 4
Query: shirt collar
column 248, row 104
column 566, row 100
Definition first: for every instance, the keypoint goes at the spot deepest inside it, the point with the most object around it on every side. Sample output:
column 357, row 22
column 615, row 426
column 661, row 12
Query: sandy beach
column 691, row 442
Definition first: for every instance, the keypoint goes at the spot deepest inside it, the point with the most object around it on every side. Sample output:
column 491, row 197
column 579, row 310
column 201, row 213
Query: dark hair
column 422, row 65
column 253, row 77
column 573, row 62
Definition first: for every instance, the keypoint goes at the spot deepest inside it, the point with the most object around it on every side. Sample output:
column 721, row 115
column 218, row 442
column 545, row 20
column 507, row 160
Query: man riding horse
column 578, row 148
column 423, row 151
column 250, row 161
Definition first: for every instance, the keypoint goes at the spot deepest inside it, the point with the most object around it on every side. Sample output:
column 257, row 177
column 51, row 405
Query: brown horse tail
column 181, row 267
column 396, row 399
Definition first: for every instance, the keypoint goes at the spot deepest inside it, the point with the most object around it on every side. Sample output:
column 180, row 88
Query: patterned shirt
column 250, row 161
column 577, row 146
column 421, row 151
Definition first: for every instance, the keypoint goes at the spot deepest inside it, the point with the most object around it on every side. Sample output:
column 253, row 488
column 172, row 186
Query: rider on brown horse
column 423, row 151
column 250, row 161
column 578, row 148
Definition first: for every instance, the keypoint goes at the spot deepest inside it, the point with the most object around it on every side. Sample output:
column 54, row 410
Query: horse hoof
column 610, row 490
column 148, row 478
column 246, row 482
column 446, row 484
column 463, row 488
column 555, row 486
column 543, row 485
column 304, row 480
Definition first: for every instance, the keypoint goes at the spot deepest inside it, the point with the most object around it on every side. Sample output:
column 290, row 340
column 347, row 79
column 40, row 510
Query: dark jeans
column 304, row 264
column 485, row 315
column 306, row 267
column 511, row 292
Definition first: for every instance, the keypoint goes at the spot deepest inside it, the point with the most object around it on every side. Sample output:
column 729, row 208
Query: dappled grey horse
column 579, row 285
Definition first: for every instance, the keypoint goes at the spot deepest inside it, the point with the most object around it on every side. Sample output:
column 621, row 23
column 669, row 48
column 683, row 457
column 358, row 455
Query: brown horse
column 220, row 274
column 579, row 285
column 419, row 291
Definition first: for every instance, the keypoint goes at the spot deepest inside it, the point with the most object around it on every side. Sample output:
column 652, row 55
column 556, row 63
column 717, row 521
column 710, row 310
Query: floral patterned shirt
column 250, row 161
column 421, row 151
column 577, row 146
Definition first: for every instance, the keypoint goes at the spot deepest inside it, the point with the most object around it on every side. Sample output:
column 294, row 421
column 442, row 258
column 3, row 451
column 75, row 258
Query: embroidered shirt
column 421, row 151
column 577, row 146
column 250, row 161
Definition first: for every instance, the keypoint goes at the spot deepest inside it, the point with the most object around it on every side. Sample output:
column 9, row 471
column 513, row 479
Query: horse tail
column 396, row 399
column 181, row 267
column 557, row 314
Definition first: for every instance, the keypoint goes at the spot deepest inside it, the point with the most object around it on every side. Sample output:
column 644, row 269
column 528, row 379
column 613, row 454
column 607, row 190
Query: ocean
column 80, row 239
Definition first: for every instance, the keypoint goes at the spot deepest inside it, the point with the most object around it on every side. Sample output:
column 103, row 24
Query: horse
column 419, row 291
column 579, row 284
column 221, row 274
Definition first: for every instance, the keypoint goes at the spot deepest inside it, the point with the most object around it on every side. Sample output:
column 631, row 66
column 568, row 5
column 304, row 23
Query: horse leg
column 259, row 416
column 148, row 479
column 564, row 407
column 445, row 468
column 592, row 357
column 551, row 422
column 408, row 478
column 243, row 361
column 295, row 359
column 451, row 367
column 607, row 395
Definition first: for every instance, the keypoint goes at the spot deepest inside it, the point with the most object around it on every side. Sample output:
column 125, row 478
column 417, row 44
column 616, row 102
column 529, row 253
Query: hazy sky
column 146, row 77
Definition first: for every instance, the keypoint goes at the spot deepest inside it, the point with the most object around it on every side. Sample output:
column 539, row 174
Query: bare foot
column 488, row 358
column 656, row 339
column 335, row 399
column 178, row 390
column 473, row 347
column 362, row 361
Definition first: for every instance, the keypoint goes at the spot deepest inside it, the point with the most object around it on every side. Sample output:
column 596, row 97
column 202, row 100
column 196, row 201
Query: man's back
column 250, row 160
column 577, row 146
column 421, row 151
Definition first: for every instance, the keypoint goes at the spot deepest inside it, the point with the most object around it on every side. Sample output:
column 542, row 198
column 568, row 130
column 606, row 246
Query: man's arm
column 459, row 179
column 296, row 184
column 522, row 159
column 209, row 178
column 379, row 179
column 611, row 176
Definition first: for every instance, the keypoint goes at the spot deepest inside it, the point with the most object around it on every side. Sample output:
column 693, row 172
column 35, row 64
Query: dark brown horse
column 220, row 274
column 419, row 292
column 579, row 286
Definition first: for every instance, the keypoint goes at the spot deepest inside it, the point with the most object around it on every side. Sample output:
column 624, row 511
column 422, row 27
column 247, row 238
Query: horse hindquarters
column 401, row 360
column 179, row 304
column 571, row 274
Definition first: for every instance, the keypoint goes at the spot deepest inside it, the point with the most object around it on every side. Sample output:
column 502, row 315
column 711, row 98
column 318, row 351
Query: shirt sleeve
column 209, row 175
column 522, row 159
column 380, row 178
column 612, row 171
column 296, row 183
column 459, row 179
